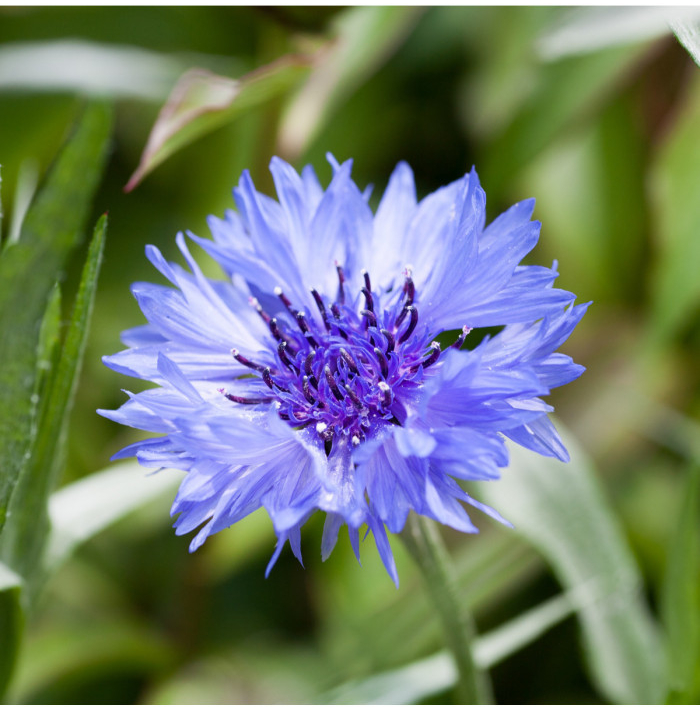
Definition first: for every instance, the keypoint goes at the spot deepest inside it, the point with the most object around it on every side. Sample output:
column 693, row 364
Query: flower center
column 343, row 375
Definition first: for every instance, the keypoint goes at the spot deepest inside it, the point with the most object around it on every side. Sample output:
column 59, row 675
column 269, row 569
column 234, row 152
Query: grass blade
column 561, row 510
column 28, row 271
column 680, row 599
column 23, row 540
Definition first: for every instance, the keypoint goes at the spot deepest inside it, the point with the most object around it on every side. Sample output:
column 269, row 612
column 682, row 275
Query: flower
column 323, row 373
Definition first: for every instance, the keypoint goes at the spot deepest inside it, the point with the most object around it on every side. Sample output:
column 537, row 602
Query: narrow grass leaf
column 680, row 599
column 24, row 538
column 202, row 101
column 674, row 184
column 561, row 510
column 437, row 673
column 89, row 68
column 28, row 270
column 589, row 29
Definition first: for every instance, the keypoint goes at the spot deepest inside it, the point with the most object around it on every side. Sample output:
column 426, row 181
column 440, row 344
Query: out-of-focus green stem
column 425, row 545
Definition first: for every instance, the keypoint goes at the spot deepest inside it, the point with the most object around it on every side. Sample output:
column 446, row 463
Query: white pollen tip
column 234, row 351
column 321, row 427
column 355, row 441
column 277, row 290
column 435, row 344
column 409, row 269
column 383, row 386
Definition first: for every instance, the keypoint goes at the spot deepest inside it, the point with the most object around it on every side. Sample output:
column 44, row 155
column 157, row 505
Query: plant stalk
column 423, row 541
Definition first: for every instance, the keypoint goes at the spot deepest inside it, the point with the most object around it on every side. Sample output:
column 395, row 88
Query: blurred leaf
column 588, row 29
column 84, row 508
column 67, row 655
column 561, row 510
column 24, row 538
column 10, row 623
column 675, row 181
column 28, row 270
column 415, row 682
column 599, row 230
column 202, row 101
column 680, row 599
column 565, row 92
column 364, row 39
column 278, row 674
column 688, row 34
column 88, row 68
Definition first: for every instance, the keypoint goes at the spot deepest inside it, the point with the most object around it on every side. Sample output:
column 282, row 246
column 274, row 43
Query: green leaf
column 437, row 673
column 23, row 540
column 589, row 29
column 674, row 182
column 680, row 599
column 88, row 68
column 202, row 101
column 365, row 37
column 561, row 510
column 565, row 93
column 688, row 34
column 64, row 654
column 84, row 508
column 28, row 271
column 11, row 621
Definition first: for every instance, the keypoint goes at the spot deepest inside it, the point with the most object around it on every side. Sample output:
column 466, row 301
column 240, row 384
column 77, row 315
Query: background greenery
column 595, row 112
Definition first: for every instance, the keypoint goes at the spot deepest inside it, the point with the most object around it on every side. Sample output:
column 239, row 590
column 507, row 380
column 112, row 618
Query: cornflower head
column 332, row 369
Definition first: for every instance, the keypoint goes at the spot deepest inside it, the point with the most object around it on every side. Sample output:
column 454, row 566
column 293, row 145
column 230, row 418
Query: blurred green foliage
column 605, row 139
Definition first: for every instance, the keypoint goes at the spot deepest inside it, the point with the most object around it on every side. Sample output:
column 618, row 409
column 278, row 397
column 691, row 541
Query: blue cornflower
column 311, row 379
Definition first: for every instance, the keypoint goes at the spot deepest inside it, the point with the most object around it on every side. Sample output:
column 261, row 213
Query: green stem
column 425, row 545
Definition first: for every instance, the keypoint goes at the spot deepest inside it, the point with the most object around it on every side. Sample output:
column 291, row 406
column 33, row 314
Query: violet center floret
column 342, row 375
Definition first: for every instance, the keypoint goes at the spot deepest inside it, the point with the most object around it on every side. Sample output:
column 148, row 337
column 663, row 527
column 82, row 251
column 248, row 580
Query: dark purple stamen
column 386, row 393
column 352, row 365
column 267, row 377
column 413, row 311
column 368, row 298
column 354, row 398
column 282, row 352
column 306, row 389
column 307, row 368
column 371, row 317
column 247, row 399
column 332, row 383
column 286, row 302
column 275, row 330
column 368, row 285
column 409, row 289
column 336, row 314
column 246, row 362
column 462, row 336
column 383, row 363
column 321, row 307
column 434, row 355
column 304, row 327
column 390, row 340
column 256, row 304
column 341, row 281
